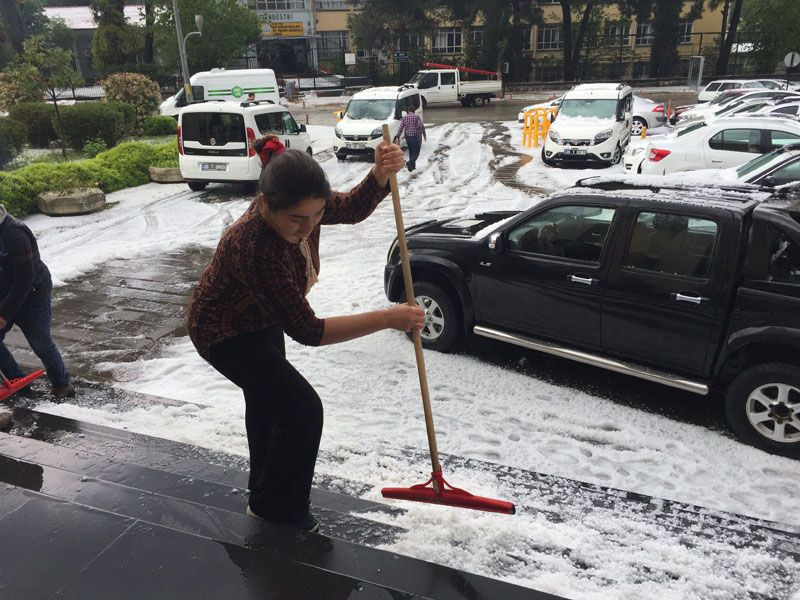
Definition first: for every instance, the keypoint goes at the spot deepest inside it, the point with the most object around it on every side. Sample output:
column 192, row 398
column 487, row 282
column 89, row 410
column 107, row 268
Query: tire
column 197, row 186
column 762, row 399
column 341, row 156
column 442, row 329
column 617, row 156
column 478, row 101
column 637, row 124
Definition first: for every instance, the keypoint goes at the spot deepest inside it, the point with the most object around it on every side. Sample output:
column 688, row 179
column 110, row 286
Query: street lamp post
column 198, row 19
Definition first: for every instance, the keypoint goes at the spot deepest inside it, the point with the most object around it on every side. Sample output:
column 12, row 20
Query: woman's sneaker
column 307, row 523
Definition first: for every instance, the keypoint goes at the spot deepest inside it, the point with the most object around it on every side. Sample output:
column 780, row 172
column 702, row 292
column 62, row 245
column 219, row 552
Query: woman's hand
column 388, row 159
column 404, row 317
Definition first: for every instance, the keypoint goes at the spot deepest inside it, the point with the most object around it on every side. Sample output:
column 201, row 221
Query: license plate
column 356, row 145
column 213, row 166
column 575, row 151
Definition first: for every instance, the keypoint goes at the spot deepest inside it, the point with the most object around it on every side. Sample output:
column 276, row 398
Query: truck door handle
column 691, row 299
column 583, row 280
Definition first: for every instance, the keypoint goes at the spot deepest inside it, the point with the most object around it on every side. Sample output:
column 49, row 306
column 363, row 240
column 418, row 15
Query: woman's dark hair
column 291, row 177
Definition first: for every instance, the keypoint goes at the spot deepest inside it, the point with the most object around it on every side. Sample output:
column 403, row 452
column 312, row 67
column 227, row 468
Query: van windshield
column 222, row 128
column 377, row 109
column 590, row 107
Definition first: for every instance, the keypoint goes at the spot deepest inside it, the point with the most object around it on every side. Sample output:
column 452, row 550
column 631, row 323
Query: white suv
column 593, row 124
column 215, row 140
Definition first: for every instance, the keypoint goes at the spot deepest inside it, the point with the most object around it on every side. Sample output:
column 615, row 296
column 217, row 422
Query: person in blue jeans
column 414, row 129
column 25, row 287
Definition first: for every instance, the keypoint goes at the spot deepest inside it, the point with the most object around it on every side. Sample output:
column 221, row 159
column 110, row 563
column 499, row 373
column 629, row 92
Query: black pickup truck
column 696, row 289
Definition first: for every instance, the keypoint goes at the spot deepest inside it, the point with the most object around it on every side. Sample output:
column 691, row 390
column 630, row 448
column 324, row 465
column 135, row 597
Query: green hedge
column 160, row 125
column 121, row 167
column 90, row 121
column 12, row 138
column 128, row 113
column 37, row 117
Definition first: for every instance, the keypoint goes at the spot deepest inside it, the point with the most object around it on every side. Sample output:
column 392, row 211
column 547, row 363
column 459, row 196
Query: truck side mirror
column 302, row 128
column 769, row 181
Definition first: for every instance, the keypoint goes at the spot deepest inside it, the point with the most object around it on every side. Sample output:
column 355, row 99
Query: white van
column 221, row 84
column 360, row 129
column 593, row 124
column 215, row 140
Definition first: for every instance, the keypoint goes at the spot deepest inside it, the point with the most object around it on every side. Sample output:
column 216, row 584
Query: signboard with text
column 285, row 23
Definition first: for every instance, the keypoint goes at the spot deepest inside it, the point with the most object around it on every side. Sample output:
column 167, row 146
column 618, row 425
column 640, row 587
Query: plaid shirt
column 257, row 279
column 412, row 124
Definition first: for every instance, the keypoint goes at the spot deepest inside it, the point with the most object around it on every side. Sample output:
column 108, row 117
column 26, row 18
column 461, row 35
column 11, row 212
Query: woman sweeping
column 254, row 290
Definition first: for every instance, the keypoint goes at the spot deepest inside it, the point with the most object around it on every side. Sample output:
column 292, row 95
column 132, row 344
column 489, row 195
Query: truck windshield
column 591, row 107
column 378, row 109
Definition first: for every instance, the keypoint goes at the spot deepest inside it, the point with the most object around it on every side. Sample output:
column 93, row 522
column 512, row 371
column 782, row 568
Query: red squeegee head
column 8, row 387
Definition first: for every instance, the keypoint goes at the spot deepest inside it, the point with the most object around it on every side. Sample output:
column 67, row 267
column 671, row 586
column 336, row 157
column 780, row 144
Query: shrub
column 128, row 113
column 19, row 84
column 160, row 125
column 12, row 137
column 135, row 89
column 94, row 147
column 165, row 155
column 37, row 117
column 17, row 194
column 90, row 121
column 130, row 160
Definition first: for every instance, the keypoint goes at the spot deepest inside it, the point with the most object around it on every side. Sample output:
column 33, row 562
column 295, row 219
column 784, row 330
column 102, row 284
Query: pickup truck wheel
column 441, row 329
column 197, row 186
column 763, row 408
column 478, row 101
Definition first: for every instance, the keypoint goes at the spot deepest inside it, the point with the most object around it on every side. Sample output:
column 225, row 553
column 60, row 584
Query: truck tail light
column 180, row 141
column 251, row 138
column 656, row 154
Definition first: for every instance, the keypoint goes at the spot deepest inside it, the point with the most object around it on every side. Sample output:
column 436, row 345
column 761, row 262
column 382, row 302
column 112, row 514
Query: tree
column 11, row 24
column 771, row 26
column 730, row 24
column 387, row 24
column 115, row 41
column 228, row 30
column 50, row 67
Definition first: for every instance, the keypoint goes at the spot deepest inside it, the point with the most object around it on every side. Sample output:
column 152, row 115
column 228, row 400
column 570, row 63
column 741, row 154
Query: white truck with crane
column 444, row 83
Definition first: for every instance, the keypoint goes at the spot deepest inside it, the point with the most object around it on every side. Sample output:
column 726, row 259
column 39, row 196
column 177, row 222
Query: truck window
column 429, row 80
column 289, row 124
column 269, row 123
column 448, row 78
column 574, row 232
column 213, row 129
column 671, row 243
column 784, row 258
column 737, row 140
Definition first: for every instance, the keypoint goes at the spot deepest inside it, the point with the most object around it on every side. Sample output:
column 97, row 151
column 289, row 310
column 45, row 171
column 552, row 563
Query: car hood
column 463, row 227
column 572, row 128
column 350, row 126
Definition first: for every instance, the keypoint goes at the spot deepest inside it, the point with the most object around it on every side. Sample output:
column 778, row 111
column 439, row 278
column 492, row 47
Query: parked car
column 646, row 113
column 778, row 84
column 779, row 168
column 716, row 87
column 721, row 103
column 360, row 129
column 215, row 140
column 593, row 125
column 699, row 291
column 725, row 142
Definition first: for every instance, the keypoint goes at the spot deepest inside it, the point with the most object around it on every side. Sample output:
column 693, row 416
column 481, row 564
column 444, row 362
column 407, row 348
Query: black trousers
column 283, row 419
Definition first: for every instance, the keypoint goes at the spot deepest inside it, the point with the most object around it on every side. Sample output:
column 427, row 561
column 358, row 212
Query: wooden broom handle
column 409, row 285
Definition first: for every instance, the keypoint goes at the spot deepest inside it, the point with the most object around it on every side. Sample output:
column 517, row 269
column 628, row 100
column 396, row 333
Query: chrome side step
column 594, row 360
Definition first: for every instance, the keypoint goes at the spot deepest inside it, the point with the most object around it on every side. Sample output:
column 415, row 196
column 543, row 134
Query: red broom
column 11, row 386
column 436, row 490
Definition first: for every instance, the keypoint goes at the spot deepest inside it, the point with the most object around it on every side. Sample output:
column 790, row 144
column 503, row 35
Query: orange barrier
column 536, row 124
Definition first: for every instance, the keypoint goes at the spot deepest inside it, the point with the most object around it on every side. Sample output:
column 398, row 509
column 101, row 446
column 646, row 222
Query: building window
column 644, row 33
column 543, row 2
column 548, row 37
column 333, row 43
column 685, row 32
column 476, row 36
column 641, row 70
column 332, row 5
column 415, row 40
column 276, row 4
column 614, row 33
column 448, row 41
column 526, row 41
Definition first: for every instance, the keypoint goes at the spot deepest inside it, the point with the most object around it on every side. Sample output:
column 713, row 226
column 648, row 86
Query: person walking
column 414, row 129
column 254, row 290
column 25, row 288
